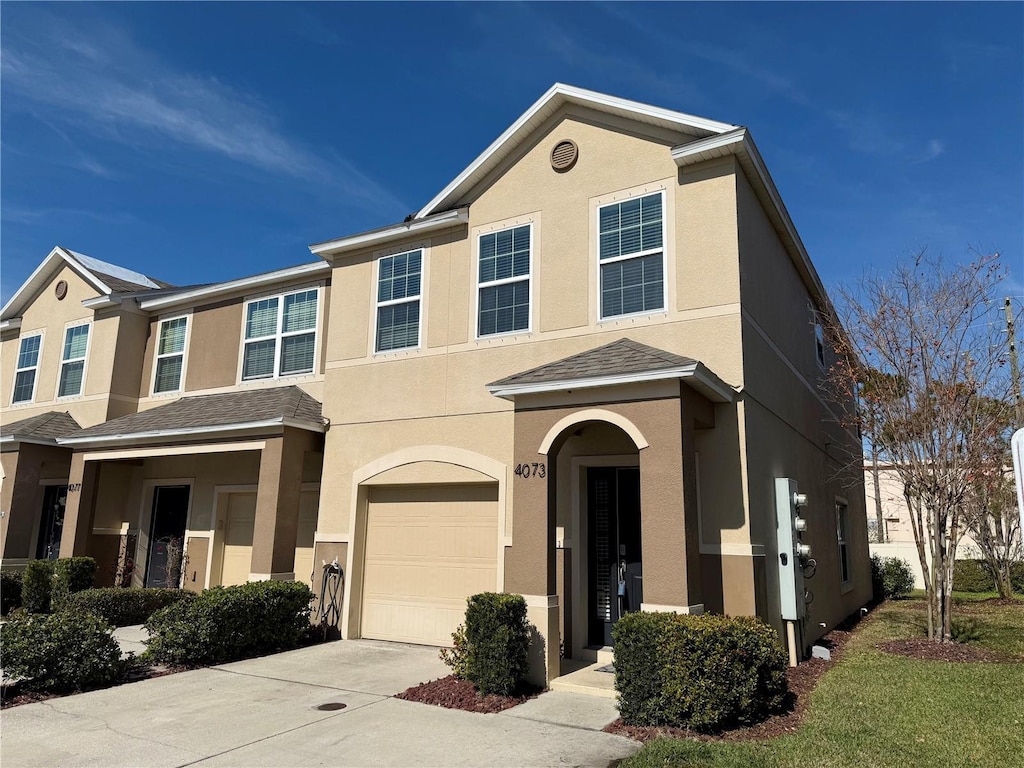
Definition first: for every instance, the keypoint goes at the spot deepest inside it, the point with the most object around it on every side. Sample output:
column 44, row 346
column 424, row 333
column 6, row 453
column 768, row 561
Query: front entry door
column 615, row 575
column 167, row 536
column 51, row 524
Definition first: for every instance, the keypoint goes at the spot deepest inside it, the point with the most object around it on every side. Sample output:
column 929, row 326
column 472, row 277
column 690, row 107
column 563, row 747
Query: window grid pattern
column 72, row 367
column 280, row 335
column 25, row 373
column 170, row 355
column 631, row 256
column 504, row 281
column 399, row 287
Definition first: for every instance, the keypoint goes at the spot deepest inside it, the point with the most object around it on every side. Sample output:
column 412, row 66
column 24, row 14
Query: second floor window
column 28, row 366
column 819, row 341
column 631, row 256
column 72, row 365
column 504, row 280
column 280, row 335
column 170, row 355
column 399, row 284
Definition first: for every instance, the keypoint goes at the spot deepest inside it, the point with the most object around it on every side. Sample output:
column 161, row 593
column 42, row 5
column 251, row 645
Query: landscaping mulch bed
column 802, row 680
column 929, row 650
column 11, row 694
column 453, row 693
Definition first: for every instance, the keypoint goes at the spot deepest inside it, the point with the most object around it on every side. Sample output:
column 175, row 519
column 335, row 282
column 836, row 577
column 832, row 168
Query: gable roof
column 555, row 97
column 253, row 410
column 104, row 277
column 42, row 428
column 620, row 362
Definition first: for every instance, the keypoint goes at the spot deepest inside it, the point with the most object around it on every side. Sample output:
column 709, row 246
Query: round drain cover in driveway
column 331, row 706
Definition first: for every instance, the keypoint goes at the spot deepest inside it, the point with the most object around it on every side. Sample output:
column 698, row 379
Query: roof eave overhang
column 740, row 143
column 177, row 436
column 331, row 248
column 42, row 273
column 8, row 441
column 696, row 375
column 241, row 285
column 10, row 325
column 556, row 96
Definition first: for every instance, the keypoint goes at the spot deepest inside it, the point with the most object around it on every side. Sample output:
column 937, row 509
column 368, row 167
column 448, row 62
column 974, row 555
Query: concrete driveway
column 264, row 712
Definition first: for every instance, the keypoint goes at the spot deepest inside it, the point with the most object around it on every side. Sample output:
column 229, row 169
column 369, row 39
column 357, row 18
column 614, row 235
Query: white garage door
column 427, row 549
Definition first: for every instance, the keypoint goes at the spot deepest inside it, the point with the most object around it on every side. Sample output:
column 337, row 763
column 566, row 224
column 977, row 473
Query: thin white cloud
column 126, row 96
column 932, row 150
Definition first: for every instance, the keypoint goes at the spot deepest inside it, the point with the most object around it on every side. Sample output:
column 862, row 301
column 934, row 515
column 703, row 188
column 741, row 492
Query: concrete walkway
column 264, row 712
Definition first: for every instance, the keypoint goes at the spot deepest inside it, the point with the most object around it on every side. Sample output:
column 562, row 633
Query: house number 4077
column 535, row 470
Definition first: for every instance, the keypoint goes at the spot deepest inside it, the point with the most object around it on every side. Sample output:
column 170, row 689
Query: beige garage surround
column 428, row 547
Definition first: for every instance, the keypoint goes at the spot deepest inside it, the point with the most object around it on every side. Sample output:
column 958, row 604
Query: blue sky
column 201, row 142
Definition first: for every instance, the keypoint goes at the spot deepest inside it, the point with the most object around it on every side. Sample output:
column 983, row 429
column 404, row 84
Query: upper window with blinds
column 72, row 361
column 170, row 355
column 631, row 255
column 399, row 286
column 27, row 368
column 503, row 277
column 280, row 335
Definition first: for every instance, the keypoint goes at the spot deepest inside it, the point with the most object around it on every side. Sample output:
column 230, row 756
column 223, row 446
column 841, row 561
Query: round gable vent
column 563, row 156
column 61, row 290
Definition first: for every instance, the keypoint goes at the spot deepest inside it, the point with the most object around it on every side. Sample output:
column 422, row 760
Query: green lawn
column 874, row 709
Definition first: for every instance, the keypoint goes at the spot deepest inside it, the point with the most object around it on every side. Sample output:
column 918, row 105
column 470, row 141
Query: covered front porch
column 205, row 491
column 605, row 496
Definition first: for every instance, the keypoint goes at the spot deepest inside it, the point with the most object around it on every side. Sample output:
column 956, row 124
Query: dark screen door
column 167, row 536
column 615, row 575
column 51, row 524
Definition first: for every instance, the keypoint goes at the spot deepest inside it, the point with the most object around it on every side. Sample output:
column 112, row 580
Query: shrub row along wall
column 976, row 576
column 701, row 672
column 123, row 607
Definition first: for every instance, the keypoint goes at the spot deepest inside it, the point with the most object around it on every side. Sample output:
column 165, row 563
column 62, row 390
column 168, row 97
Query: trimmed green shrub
column 60, row 653
column 497, row 642
column 70, row 575
column 36, row 585
column 891, row 577
column 972, row 576
column 10, row 591
column 230, row 623
column 123, row 607
column 1017, row 577
column 702, row 672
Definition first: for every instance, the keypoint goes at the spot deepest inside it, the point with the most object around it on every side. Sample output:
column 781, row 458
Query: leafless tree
column 924, row 330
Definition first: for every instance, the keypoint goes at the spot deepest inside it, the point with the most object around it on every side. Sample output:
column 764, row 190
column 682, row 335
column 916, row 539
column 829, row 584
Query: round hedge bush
column 60, row 652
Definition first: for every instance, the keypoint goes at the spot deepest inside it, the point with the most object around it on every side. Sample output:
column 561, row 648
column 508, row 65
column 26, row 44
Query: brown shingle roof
column 618, row 358
column 221, row 410
column 45, row 426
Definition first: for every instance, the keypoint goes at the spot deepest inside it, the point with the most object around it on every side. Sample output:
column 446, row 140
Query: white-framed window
column 819, row 341
column 72, row 361
column 280, row 335
column 843, row 537
column 503, row 280
column 399, row 289
column 27, row 370
column 631, row 256
column 170, row 355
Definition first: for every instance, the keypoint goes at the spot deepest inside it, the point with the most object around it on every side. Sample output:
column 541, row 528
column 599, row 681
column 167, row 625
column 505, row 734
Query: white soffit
column 234, row 286
column 546, row 106
column 355, row 242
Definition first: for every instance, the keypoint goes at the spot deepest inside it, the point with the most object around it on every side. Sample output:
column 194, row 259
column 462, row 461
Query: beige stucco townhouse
column 579, row 374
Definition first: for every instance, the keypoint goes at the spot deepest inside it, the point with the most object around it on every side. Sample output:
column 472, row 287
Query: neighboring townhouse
column 581, row 373
column 897, row 527
column 189, row 448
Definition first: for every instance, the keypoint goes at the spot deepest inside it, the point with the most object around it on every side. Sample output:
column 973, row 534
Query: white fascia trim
column 568, row 93
column 232, row 286
column 42, row 273
column 102, row 302
column 10, row 325
column 158, row 434
column 7, row 440
column 741, row 143
column 709, row 384
column 419, row 225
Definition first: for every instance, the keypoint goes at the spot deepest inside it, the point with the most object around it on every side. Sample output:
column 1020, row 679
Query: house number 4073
column 536, row 470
